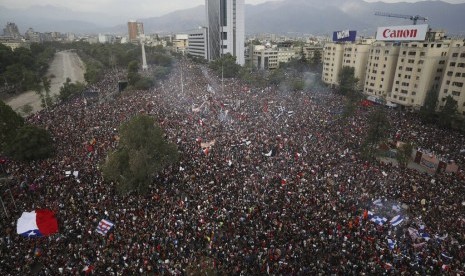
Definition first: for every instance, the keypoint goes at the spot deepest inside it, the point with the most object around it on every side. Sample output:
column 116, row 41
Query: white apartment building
column 420, row 67
column 454, row 77
column 265, row 58
column 180, row 43
column 332, row 63
column 381, row 68
column 310, row 51
column 340, row 54
column 198, row 42
column 355, row 55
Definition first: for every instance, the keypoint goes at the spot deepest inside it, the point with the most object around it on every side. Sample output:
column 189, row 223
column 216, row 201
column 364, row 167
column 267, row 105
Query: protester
column 282, row 188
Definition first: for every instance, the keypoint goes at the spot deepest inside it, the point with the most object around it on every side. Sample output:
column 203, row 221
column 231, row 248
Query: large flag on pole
column 104, row 226
column 37, row 223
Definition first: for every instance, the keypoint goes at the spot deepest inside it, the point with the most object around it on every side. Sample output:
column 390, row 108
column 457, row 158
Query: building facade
column 380, row 69
column 197, row 43
column 332, row 63
column 11, row 30
column 265, row 58
column 135, row 30
column 180, row 43
column 226, row 29
column 454, row 77
column 420, row 67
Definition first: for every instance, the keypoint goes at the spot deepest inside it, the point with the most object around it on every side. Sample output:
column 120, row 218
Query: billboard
column 402, row 33
column 345, row 35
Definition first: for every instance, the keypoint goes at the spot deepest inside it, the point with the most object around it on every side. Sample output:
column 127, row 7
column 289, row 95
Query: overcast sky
column 135, row 8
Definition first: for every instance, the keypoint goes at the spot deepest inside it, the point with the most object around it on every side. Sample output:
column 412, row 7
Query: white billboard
column 402, row 33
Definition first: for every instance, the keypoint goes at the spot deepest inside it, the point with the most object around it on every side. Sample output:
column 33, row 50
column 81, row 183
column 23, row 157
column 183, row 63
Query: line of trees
column 23, row 68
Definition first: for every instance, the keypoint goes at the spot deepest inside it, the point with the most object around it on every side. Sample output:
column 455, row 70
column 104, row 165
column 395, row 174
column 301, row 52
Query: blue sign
column 344, row 36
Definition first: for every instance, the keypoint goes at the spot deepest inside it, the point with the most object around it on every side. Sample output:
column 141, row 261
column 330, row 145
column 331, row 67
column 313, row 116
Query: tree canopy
column 10, row 121
column 22, row 68
column 142, row 152
column 428, row 110
column 347, row 81
column 378, row 131
column 30, row 143
column 448, row 112
column 226, row 65
column 70, row 89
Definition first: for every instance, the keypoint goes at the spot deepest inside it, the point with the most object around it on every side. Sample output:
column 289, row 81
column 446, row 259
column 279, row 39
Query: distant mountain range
column 319, row 17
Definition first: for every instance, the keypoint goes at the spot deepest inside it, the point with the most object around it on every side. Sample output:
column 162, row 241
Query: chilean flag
column 37, row 223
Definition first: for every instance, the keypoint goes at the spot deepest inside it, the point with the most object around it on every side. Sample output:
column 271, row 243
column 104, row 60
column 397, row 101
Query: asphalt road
column 65, row 64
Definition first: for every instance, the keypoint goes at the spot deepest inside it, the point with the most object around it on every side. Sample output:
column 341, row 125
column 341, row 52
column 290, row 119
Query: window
column 224, row 13
column 458, row 84
column 224, row 35
column 456, row 93
column 445, row 91
column 439, row 70
column 455, row 54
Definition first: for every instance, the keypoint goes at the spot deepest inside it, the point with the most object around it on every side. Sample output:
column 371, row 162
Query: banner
column 402, row 33
column 345, row 35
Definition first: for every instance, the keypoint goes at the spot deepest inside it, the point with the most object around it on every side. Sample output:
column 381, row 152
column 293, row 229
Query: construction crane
column 414, row 18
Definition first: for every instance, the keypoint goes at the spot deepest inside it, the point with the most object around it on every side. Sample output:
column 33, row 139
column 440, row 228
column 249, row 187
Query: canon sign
column 402, row 33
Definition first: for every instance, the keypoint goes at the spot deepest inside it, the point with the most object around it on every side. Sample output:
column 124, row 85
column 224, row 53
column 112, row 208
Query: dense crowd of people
column 269, row 182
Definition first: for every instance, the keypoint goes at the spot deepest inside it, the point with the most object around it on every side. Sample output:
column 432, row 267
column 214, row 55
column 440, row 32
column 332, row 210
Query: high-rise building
column 11, row 30
column 332, row 63
column 453, row 83
column 135, row 30
column 226, row 28
column 345, row 54
column 197, row 43
column 420, row 67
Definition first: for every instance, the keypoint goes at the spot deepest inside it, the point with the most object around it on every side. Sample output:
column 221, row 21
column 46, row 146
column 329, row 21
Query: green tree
column 142, row 152
column 404, row 153
column 276, row 77
column 347, row 81
column 10, row 121
column 30, row 143
column 428, row 110
column 70, row 89
column 297, row 84
column 378, row 131
column 94, row 72
column 133, row 73
column 144, row 83
column 226, row 66
column 316, row 58
column 448, row 113
column 43, row 90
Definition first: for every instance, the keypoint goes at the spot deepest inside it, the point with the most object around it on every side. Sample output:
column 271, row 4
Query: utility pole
column 182, row 79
